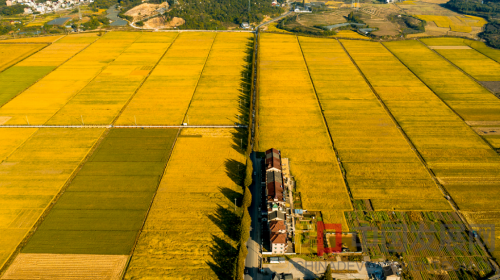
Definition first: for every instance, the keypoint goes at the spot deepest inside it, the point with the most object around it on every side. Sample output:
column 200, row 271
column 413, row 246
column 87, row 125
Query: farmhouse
column 278, row 243
column 273, row 160
column 277, row 227
column 277, row 216
column 274, row 187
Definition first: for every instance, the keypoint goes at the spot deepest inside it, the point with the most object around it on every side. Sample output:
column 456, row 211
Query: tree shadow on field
column 235, row 170
column 231, row 195
column 245, row 92
column 240, row 139
column 227, row 220
column 224, row 256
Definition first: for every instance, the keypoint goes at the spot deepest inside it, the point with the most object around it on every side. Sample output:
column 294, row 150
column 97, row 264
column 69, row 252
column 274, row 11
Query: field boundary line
column 143, row 82
column 19, row 146
column 55, row 68
column 199, row 78
column 400, row 129
column 53, row 201
column 325, row 123
column 27, row 55
column 139, row 232
column 460, row 69
column 439, row 97
column 436, row 181
column 91, row 80
column 123, row 126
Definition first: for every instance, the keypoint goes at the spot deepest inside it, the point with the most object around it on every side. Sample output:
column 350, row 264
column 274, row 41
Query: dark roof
column 277, row 215
column 274, row 185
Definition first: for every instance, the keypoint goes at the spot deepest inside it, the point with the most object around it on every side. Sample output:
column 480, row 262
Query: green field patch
column 104, row 207
column 122, row 168
column 105, row 200
column 114, row 183
column 79, row 219
column 18, row 78
column 102, row 242
column 129, row 155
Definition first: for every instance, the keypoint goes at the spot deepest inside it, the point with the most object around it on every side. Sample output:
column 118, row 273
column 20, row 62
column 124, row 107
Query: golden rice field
column 460, row 159
column 101, row 100
column 486, row 50
column 471, row 101
column 378, row 161
column 67, row 81
column 25, row 73
column 12, row 53
column 290, row 120
column 456, row 23
column 188, row 232
column 474, row 63
column 171, row 85
column 44, row 39
column 33, row 174
column 222, row 92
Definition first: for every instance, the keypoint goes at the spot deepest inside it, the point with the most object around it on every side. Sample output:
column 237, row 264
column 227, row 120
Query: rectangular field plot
column 103, row 98
column 467, row 98
column 452, row 150
column 12, row 138
column 38, row 104
column 33, row 175
column 19, row 77
column 222, row 94
column 165, row 96
column 44, row 39
column 189, row 232
column 378, row 162
column 487, row 225
column 290, row 120
column 63, row 267
column 474, row 63
column 12, row 53
column 104, row 207
column 484, row 49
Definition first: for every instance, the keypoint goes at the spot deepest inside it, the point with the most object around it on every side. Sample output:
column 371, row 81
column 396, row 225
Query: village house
column 274, row 187
column 278, row 243
column 273, row 160
column 277, row 227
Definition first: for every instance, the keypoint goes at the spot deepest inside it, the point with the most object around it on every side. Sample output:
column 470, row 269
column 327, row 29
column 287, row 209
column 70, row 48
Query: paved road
column 253, row 243
column 273, row 20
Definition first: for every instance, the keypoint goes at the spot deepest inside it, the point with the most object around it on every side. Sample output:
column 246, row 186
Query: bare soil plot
column 494, row 86
column 64, row 267
column 145, row 10
column 159, row 22
column 487, row 130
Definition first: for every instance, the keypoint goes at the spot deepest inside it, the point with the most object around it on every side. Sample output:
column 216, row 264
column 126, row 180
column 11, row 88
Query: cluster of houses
column 47, row 6
column 278, row 214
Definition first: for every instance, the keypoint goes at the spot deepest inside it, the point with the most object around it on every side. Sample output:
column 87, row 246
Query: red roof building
column 277, row 226
column 273, row 160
